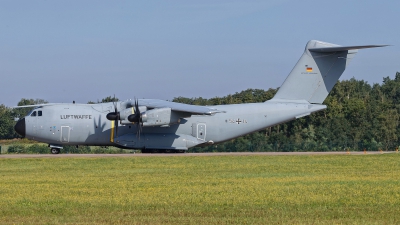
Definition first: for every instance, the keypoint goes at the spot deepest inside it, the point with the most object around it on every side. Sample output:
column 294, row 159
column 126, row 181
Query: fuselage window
column 39, row 113
column 34, row 113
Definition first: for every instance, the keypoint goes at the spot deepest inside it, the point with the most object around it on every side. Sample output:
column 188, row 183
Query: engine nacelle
column 159, row 117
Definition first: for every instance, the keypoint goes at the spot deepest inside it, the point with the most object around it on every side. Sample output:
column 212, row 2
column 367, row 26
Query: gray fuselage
column 86, row 124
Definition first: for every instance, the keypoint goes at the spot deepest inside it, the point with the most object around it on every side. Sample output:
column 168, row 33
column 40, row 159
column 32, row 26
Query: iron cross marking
column 238, row 121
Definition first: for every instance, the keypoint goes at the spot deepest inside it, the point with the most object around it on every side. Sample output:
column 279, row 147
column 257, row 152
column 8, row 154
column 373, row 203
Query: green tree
column 109, row 99
column 6, row 123
column 104, row 100
column 21, row 112
column 389, row 121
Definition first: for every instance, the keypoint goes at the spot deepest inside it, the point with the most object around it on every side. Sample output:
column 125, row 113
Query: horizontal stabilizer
column 344, row 48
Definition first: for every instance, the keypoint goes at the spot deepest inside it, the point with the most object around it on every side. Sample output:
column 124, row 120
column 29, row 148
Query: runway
column 186, row 154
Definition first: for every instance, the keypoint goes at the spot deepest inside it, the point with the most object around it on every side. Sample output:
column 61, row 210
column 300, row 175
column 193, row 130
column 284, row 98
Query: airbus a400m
column 162, row 126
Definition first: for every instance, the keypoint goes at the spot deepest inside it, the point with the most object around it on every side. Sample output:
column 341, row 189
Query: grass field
column 335, row 189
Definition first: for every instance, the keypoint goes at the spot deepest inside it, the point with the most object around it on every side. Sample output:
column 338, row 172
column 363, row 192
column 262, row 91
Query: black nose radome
column 20, row 127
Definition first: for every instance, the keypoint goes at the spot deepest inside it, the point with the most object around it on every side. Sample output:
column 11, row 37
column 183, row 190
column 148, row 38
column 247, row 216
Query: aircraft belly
column 157, row 141
column 170, row 141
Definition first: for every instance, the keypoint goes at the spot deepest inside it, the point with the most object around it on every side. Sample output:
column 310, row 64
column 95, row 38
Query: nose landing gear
column 55, row 149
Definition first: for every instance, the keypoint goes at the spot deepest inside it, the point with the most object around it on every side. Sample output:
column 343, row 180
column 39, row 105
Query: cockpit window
column 33, row 112
column 29, row 113
column 39, row 113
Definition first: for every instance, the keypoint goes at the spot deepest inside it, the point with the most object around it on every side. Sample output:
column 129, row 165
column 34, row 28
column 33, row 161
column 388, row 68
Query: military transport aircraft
column 162, row 126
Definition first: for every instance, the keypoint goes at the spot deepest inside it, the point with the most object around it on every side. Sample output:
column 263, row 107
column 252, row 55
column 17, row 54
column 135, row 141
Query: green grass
column 336, row 189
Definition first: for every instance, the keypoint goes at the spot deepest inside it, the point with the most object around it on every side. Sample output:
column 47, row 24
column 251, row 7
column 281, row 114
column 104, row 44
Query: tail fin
column 317, row 71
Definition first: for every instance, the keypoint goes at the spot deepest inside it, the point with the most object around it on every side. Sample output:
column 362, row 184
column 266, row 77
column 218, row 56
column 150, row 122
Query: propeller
column 134, row 118
column 137, row 118
column 114, row 116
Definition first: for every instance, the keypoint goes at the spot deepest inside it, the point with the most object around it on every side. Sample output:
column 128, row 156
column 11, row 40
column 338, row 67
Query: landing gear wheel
column 55, row 151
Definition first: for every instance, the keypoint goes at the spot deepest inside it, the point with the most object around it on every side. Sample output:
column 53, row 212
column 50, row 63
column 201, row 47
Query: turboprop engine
column 156, row 117
column 144, row 117
column 124, row 114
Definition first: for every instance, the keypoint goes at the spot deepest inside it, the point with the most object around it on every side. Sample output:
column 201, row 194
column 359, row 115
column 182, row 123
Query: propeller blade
column 138, row 118
column 137, row 111
column 116, row 118
column 116, row 128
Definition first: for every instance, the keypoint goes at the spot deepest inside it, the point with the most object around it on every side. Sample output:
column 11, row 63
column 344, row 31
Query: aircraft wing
column 193, row 109
column 155, row 104
column 38, row 105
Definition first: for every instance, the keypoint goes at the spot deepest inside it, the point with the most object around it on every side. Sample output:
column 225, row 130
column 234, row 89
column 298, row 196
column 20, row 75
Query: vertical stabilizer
column 317, row 71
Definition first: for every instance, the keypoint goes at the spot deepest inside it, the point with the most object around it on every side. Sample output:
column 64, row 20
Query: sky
column 86, row 50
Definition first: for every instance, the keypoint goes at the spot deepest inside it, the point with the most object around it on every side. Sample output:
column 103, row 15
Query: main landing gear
column 162, row 151
column 55, row 151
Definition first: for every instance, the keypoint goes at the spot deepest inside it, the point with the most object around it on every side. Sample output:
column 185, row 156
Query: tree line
column 358, row 116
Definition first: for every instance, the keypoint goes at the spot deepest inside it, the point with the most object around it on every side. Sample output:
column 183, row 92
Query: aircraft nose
column 20, row 127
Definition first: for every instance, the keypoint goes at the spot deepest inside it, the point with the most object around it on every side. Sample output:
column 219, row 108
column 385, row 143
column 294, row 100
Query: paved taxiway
column 185, row 154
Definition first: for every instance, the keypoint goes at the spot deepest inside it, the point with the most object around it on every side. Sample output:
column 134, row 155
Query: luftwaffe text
column 76, row 117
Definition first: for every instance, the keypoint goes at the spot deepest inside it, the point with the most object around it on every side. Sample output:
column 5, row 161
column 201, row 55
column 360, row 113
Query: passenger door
column 65, row 132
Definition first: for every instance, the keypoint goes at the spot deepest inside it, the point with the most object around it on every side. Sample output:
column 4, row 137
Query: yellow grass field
column 324, row 189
